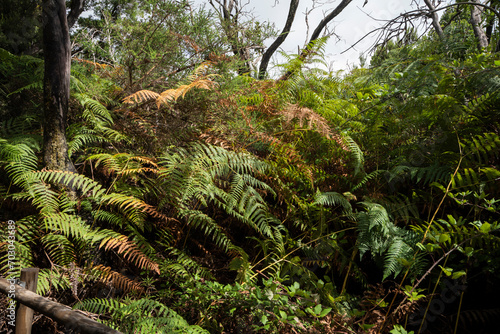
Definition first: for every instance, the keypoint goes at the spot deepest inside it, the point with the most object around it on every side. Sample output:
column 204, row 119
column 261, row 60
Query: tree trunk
column 491, row 22
column 317, row 32
column 294, row 4
column 435, row 19
column 230, row 26
column 57, row 55
column 475, row 21
column 76, row 9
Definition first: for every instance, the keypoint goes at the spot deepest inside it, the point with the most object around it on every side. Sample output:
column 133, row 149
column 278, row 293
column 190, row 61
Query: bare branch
column 395, row 27
column 317, row 32
column 294, row 4
column 76, row 9
column 435, row 19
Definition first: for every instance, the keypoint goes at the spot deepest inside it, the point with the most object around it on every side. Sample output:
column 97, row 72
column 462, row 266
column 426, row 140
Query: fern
column 107, row 274
column 128, row 249
column 332, row 198
column 356, row 154
column 384, row 240
column 198, row 79
column 483, row 147
column 143, row 315
column 208, row 173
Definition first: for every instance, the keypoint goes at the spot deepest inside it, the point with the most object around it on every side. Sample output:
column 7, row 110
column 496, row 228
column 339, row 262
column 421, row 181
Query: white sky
column 350, row 25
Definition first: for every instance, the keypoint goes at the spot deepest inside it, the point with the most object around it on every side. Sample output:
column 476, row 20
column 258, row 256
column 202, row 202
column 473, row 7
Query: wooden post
column 73, row 320
column 24, row 315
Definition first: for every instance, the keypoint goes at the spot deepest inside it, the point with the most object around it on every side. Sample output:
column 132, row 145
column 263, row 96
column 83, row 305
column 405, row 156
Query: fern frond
column 69, row 225
column 75, row 181
column 314, row 120
column 59, row 249
column 128, row 249
column 368, row 177
column 483, row 147
column 141, row 96
column 107, row 274
column 197, row 80
column 99, row 305
column 183, row 266
column 18, row 160
column 52, row 279
column 131, row 206
column 398, row 250
column 356, row 154
column 331, row 199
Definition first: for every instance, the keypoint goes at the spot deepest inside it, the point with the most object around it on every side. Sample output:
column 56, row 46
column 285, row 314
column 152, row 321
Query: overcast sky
column 350, row 25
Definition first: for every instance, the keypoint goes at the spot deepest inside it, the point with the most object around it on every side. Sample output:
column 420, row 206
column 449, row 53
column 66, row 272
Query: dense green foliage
column 207, row 201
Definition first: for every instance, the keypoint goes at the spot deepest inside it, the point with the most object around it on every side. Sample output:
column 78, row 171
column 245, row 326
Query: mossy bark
column 57, row 54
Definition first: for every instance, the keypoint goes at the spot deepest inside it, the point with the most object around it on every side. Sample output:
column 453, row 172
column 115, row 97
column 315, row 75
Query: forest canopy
column 169, row 169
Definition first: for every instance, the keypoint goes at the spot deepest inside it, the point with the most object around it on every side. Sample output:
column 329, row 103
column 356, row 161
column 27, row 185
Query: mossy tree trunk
column 57, row 54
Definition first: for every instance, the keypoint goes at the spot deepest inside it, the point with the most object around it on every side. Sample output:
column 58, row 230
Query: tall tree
column 57, row 55
column 476, row 10
column 475, row 21
column 435, row 19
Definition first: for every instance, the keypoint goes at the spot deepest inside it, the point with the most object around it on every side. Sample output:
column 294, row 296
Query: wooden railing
column 30, row 301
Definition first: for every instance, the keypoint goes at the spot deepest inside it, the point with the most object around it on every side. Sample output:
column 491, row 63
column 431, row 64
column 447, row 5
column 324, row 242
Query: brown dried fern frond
column 141, row 96
column 118, row 280
column 313, row 121
column 122, row 245
column 305, row 115
column 92, row 63
column 214, row 140
column 168, row 95
column 125, row 202
column 140, row 169
column 198, row 80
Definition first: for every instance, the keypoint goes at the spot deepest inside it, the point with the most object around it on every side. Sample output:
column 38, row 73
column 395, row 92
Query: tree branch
column 294, row 4
column 76, row 9
column 317, row 32
column 435, row 19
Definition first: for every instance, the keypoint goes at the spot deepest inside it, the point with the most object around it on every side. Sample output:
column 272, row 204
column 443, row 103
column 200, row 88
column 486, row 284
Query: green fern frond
column 205, row 173
column 367, row 178
column 99, row 305
column 183, row 266
column 17, row 159
column 208, row 226
column 83, row 138
column 59, row 249
column 483, row 147
column 399, row 252
column 356, row 154
column 75, row 181
column 95, row 112
column 467, row 177
column 332, row 199
column 143, row 315
column 52, row 280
